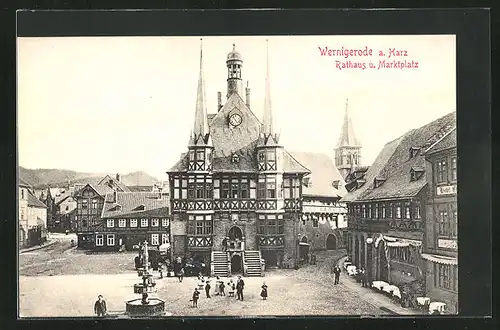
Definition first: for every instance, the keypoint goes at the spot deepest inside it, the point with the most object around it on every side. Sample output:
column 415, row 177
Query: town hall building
column 236, row 195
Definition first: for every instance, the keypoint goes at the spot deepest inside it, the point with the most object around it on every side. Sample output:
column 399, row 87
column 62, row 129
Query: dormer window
column 414, row 151
column 307, row 182
column 235, row 158
column 416, row 173
column 336, row 184
column 139, row 208
column 360, row 183
column 377, row 182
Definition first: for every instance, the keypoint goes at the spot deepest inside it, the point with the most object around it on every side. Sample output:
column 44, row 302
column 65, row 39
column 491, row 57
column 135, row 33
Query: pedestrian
column 207, row 289
column 100, row 306
column 224, row 244
column 217, row 286
column 240, row 285
column 363, row 277
column 180, row 274
column 196, row 295
column 231, row 286
column 160, row 270
column 221, row 288
column 263, row 292
column 336, row 272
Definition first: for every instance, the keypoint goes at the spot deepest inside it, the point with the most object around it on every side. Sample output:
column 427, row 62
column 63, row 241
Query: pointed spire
column 268, row 122
column 347, row 137
column 200, row 127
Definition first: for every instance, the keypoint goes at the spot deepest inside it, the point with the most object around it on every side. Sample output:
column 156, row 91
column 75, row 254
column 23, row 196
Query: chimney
column 115, row 196
column 159, row 192
column 219, row 101
column 247, row 94
column 117, row 177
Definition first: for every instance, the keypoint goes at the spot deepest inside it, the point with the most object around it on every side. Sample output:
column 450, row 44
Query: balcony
column 271, row 241
column 384, row 225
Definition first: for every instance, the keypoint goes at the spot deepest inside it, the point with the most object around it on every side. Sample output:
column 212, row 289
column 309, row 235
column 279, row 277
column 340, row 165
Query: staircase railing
column 212, row 264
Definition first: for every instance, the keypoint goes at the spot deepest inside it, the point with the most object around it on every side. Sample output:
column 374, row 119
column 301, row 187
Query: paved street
column 60, row 281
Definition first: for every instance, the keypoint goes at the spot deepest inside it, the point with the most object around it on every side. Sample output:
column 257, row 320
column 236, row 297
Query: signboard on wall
column 446, row 190
column 447, row 243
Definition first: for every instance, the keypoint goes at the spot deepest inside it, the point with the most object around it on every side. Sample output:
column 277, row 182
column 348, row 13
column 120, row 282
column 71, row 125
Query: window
column 85, row 204
column 389, row 211
column 99, row 240
column 261, row 189
column 155, row 239
column 315, row 222
column 234, row 189
column 442, row 169
column 443, row 223
column 370, row 211
column 133, row 222
column 454, row 169
column 262, row 156
column 245, row 191
column 398, row 211
column 191, row 155
column 444, row 277
column 207, row 230
column 235, row 158
column 110, row 240
column 376, row 211
column 200, row 155
column 407, row 211
column 271, row 159
column 225, row 189
column 383, row 211
column 271, row 187
column 253, row 186
column 209, row 190
column 155, row 222
column 191, row 188
column 164, row 239
column 164, row 222
column 94, row 204
column 67, row 208
column 199, row 227
column 417, row 212
column 287, row 186
column 144, row 222
column 111, row 223
column 454, row 224
column 199, row 190
column 363, row 210
column 122, row 223
column 271, row 225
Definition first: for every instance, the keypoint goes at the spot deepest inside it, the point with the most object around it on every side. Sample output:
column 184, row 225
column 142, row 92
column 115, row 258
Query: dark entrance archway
column 383, row 269
column 303, row 248
column 235, row 233
column 236, row 264
column 331, row 242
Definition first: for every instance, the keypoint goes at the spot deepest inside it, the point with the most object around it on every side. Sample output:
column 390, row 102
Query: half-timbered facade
column 386, row 207
column 440, row 245
column 130, row 218
column 237, row 183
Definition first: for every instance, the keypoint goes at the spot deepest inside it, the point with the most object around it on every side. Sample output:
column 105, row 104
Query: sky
column 124, row 104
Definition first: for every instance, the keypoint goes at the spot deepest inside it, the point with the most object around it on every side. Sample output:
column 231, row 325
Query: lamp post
column 369, row 242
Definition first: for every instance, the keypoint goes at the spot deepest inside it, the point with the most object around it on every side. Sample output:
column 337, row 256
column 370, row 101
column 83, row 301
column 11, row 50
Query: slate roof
column 447, row 142
column 347, row 137
column 108, row 180
column 241, row 141
column 23, row 183
column 393, row 163
column 129, row 201
column 35, row 202
column 323, row 173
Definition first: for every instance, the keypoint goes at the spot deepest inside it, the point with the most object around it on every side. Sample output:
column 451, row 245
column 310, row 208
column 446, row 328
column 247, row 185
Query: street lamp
column 369, row 242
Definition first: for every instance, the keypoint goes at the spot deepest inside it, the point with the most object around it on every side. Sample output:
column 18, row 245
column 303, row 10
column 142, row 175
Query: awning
column 440, row 259
column 404, row 243
column 304, row 244
column 390, row 239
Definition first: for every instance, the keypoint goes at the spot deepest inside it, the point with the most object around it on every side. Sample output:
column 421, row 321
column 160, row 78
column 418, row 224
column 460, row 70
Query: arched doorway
column 236, row 264
column 235, row 233
column 383, row 269
column 331, row 242
column 303, row 248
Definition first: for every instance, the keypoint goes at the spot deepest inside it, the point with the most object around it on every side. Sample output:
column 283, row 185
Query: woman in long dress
column 217, row 286
column 263, row 292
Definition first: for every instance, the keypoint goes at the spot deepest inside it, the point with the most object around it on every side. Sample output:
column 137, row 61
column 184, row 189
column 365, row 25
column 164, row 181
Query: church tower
column 234, row 63
column 348, row 150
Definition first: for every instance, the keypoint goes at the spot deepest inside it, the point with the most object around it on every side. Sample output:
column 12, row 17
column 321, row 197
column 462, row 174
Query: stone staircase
column 220, row 265
column 252, row 263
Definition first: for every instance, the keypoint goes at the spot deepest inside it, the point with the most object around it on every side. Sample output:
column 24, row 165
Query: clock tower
column 234, row 63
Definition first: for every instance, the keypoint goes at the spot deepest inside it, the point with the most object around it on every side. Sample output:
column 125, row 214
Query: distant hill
column 41, row 178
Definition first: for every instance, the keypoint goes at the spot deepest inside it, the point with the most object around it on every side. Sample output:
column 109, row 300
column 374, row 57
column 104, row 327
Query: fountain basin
column 154, row 307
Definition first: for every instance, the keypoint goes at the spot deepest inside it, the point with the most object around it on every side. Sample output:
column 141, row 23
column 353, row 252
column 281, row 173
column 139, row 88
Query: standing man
column 224, row 244
column 207, row 289
column 336, row 272
column 100, row 306
column 240, row 285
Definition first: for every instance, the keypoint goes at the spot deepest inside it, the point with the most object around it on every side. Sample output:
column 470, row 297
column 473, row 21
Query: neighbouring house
column 32, row 217
column 323, row 225
column 386, row 207
column 90, row 202
column 129, row 218
column 66, row 213
column 441, row 230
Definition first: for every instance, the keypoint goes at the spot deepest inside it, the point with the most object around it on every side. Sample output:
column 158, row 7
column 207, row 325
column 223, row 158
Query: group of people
column 220, row 289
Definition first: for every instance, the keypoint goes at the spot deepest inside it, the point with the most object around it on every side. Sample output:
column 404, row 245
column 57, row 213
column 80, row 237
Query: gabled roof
column 394, row 164
column 109, row 181
column 447, row 142
column 35, row 202
column 323, row 173
column 129, row 203
column 65, row 197
column 101, row 190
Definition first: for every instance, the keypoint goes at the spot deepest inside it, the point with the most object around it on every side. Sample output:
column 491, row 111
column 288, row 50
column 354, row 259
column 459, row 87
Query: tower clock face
column 235, row 120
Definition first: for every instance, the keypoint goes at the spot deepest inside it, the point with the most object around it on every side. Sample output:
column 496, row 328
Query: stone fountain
column 145, row 306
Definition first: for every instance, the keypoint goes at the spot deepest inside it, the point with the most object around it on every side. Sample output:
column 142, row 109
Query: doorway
column 236, row 264
column 235, row 233
column 303, row 249
column 331, row 242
